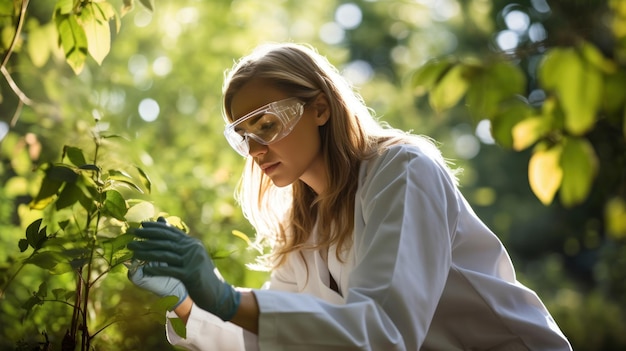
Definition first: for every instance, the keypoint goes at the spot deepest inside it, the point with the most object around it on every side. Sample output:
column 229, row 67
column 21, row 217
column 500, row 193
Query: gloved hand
column 188, row 261
column 162, row 286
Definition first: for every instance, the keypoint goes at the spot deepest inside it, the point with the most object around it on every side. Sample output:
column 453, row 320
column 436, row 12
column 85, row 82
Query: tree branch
column 24, row 100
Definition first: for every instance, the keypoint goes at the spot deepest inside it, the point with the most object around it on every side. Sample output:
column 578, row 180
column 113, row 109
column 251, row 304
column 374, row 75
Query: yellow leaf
column 615, row 217
column 545, row 173
column 506, row 118
column 37, row 44
column 97, row 30
column 529, row 131
column 242, row 236
column 16, row 186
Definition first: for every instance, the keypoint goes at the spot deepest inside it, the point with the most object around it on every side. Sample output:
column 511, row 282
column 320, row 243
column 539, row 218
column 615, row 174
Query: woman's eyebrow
column 251, row 120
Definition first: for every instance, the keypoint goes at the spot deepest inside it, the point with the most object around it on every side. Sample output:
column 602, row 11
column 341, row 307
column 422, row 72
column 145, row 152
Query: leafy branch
column 85, row 206
column 83, row 29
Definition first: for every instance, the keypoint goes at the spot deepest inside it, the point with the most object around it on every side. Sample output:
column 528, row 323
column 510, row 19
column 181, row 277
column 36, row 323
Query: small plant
column 83, row 231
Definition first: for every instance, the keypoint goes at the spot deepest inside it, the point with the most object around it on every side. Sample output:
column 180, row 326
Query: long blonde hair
column 284, row 218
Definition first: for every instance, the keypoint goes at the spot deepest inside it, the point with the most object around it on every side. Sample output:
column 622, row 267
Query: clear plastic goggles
column 265, row 125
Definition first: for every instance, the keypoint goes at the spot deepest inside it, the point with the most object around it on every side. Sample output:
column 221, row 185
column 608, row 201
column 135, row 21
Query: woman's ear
column 322, row 109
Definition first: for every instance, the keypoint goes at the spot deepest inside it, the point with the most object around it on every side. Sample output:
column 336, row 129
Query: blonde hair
column 285, row 218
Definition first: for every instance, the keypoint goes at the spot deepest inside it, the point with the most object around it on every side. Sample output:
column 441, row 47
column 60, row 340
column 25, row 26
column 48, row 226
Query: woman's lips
column 269, row 167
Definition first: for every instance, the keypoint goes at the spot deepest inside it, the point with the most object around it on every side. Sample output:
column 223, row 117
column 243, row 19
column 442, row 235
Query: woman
column 374, row 247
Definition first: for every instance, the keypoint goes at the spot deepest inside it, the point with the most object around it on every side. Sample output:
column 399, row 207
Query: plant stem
column 6, row 285
column 76, row 312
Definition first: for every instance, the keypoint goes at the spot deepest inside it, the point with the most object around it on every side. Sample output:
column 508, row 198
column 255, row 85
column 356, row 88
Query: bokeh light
column 149, row 110
column 4, row 130
column 332, row 33
column 348, row 16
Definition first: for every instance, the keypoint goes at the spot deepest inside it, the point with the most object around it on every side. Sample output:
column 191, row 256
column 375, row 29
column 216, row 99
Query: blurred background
column 159, row 87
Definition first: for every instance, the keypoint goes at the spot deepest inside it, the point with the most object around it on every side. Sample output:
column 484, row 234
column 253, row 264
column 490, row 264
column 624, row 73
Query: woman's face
column 296, row 156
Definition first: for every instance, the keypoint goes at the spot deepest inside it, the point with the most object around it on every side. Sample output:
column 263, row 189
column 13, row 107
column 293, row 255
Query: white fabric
column 423, row 273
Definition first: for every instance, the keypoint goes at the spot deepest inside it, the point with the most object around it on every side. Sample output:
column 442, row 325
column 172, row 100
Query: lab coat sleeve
column 205, row 331
column 406, row 210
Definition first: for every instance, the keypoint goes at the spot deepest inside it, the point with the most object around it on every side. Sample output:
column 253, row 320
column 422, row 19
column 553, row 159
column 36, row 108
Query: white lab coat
column 423, row 273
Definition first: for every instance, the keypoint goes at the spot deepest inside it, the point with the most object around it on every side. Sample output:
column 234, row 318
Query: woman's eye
column 267, row 126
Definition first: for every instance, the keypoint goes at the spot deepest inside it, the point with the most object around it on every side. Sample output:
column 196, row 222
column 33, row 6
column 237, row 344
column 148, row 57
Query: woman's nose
column 256, row 148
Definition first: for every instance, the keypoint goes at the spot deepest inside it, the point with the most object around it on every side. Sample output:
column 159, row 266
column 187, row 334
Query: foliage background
column 159, row 87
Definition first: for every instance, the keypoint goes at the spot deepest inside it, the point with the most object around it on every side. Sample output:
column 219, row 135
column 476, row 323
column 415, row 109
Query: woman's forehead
column 253, row 95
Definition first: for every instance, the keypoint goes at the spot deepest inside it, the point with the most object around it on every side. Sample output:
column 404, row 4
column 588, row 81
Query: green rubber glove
column 188, row 261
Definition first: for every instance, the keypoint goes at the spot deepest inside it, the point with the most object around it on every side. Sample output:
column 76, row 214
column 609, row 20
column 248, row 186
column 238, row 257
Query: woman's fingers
column 145, row 251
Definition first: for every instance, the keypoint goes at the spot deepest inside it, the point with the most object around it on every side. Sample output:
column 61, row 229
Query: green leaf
column 70, row 295
column 508, row 116
column 115, row 205
column 90, row 191
column 148, row 4
column 127, row 6
column 577, row 84
column 122, row 256
column 145, row 180
column 493, row 85
column 108, row 12
column 614, row 92
column 90, row 167
column 68, row 196
column 75, row 155
column 123, row 177
column 33, row 228
column 579, row 163
column 46, row 194
column 23, row 245
column 64, row 7
column 140, row 212
column 97, row 31
column 449, row 90
column 545, row 173
column 113, row 245
column 594, row 56
column 179, row 327
column 425, row 78
column 63, row 224
column 165, row 303
column 42, row 292
column 46, row 259
column 62, row 173
column 36, row 236
column 30, row 303
column 6, row 8
column 59, row 294
column 73, row 41
column 74, row 264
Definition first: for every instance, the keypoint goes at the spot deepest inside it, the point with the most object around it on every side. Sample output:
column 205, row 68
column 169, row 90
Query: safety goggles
column 265, row 125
